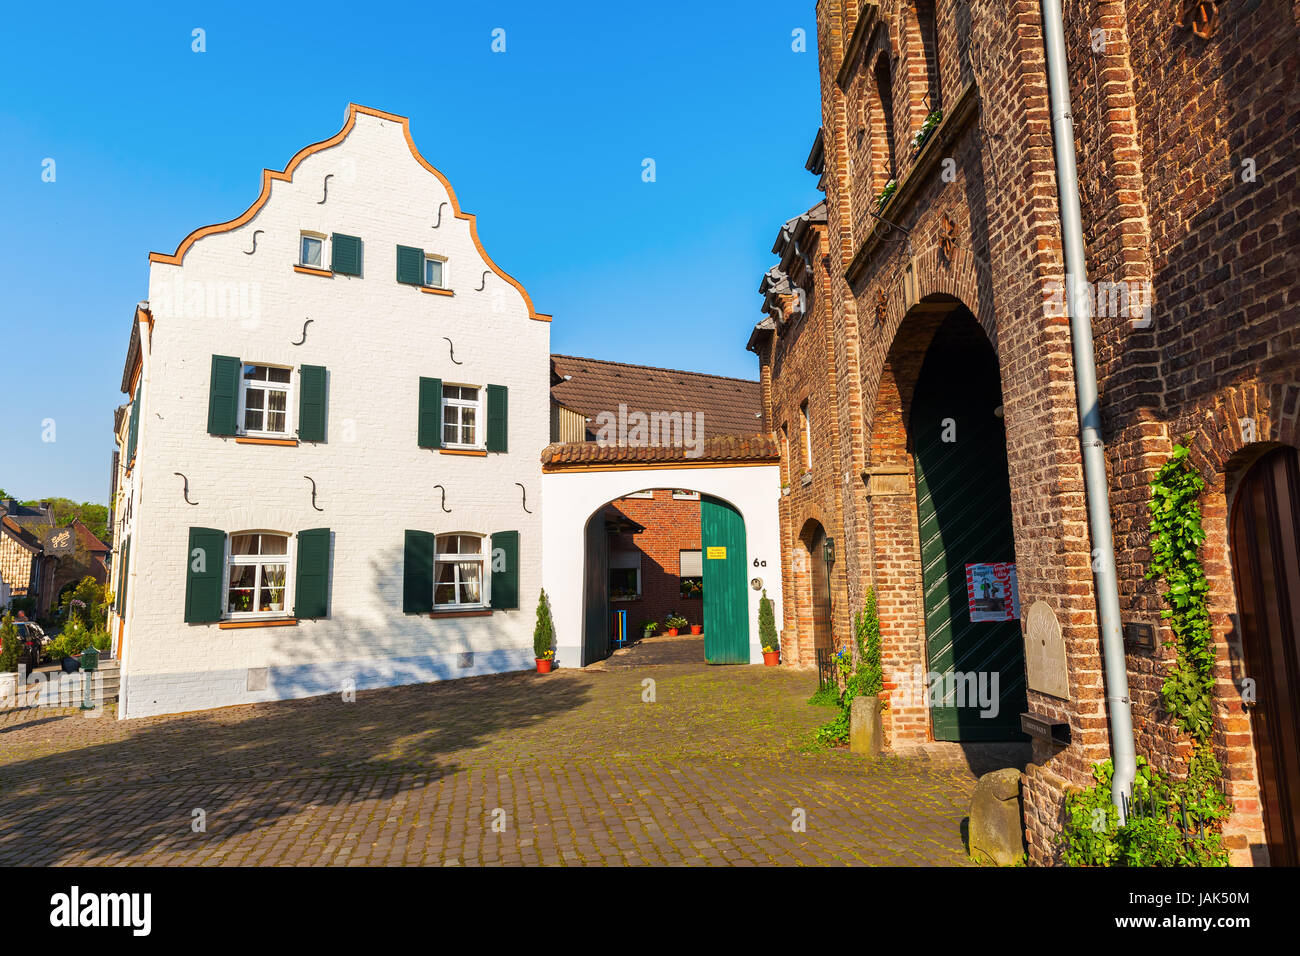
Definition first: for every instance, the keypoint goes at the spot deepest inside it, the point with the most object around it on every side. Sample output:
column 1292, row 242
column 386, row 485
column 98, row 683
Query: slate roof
column 30, row 519
column 733, row 448
column 730, row 406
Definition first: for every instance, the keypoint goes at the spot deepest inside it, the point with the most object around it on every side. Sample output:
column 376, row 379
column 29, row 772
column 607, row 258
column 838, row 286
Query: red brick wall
column 798, row 365
column 672, row 526
column 1165, row 202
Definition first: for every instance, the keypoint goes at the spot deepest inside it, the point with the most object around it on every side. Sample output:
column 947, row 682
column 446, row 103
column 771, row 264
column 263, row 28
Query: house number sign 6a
column 759, row 564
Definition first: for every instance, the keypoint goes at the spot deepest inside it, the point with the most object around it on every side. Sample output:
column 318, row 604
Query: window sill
column 433, row 290
column 624, row 600
column 310, row 271
column 476, row 612
column 473, row 452
column 252, row 440
column 260, row 622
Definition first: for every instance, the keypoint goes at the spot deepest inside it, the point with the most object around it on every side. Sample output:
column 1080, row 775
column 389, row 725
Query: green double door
column 963, row 499
column 726, row 605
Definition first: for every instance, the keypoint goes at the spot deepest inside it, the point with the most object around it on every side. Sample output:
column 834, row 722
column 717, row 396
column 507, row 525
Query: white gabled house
column 330, row 470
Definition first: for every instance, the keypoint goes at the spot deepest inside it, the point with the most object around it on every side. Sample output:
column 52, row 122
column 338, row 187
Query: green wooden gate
column 726, row 605
column 963, row 503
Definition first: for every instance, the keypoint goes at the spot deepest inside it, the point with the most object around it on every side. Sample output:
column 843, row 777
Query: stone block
column 996, row 833
column 865, row 733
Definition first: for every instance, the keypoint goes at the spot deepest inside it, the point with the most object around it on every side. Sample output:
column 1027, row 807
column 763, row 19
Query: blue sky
column 544, row 143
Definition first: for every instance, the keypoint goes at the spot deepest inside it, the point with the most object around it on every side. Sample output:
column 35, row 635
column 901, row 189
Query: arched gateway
column 739, row 483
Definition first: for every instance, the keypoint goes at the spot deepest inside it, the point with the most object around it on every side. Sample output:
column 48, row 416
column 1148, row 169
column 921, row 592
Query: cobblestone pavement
column 571, row 768
column 681, row 649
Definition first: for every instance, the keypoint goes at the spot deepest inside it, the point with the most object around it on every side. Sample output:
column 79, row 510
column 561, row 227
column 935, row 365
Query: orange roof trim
column 286, row 175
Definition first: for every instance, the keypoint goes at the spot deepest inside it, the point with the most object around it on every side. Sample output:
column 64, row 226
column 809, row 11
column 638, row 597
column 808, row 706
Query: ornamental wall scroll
column 882, row 305
column 1200, row 16
column 948, row 237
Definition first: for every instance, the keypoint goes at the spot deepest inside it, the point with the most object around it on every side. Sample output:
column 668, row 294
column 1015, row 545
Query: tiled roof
column 725, row 448
column 730, row 406
column 19, row 532
column 88, row 539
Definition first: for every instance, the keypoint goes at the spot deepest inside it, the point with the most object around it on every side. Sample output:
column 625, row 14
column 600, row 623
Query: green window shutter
column 417, row 573
column 311, row 404
column 311, row 591
column 124, row 569
column 497, row 417
column 410, row 265
column 430, row 413
column 133, row 434
column 346, row 258
column 205, row 564
column 505, row 570
column 223, row 396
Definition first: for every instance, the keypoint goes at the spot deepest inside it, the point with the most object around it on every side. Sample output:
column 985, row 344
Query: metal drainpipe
column 1085, row 381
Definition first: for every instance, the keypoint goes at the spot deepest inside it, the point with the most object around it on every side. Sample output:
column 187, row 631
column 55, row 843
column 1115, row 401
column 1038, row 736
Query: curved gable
column 286, row 175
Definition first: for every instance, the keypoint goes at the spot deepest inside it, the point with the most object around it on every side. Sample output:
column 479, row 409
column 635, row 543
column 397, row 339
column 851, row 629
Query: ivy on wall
column 1176, row 538
column 1171, row 821
column 861, row 673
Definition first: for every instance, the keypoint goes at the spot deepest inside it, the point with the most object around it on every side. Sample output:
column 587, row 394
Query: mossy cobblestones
column 573, row 768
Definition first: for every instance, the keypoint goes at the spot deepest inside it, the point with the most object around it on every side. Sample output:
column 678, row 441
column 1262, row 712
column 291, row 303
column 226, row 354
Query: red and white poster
column 991, row 592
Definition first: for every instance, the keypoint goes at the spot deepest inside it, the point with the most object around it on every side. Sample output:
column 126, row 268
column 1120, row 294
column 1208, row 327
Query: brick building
column 796, row 347
column 937, row 333
column 24, row 565
column 654, row 558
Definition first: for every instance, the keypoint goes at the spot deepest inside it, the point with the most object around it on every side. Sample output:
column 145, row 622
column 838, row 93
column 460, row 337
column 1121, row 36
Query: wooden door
column 963, row 503
column 821, row 593
column 1266, row 570
column 726, row 603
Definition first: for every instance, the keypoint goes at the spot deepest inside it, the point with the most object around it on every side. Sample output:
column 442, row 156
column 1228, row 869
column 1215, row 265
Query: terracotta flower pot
column 544, row 664
column 696, row 628
column 672, row 632
column 771, row 658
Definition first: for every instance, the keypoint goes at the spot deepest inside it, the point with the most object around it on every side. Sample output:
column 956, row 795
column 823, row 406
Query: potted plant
column 931, row 123
column 675, row 622
column 648, row 628
column 544, row 636
column 697, row 628
column 767, row 631
column 10, row 649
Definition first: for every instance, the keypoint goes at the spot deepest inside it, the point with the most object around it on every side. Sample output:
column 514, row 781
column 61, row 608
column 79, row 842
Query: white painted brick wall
column 376, row 338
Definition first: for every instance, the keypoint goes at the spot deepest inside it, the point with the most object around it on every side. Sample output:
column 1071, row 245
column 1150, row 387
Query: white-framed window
column 462, row 416
column 648, row 493
column 458, row 575
column 681, row 494
column 311, row 250
column 257, row 574
column 624, row 575
column 690, row 570
column 806, row 416
column 264, row 400
column 435, row 271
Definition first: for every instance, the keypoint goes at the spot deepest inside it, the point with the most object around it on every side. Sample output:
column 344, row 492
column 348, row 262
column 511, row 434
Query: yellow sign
column 716, row 553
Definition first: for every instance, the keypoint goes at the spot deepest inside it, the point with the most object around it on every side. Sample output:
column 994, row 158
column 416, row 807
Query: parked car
column 35, row 643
